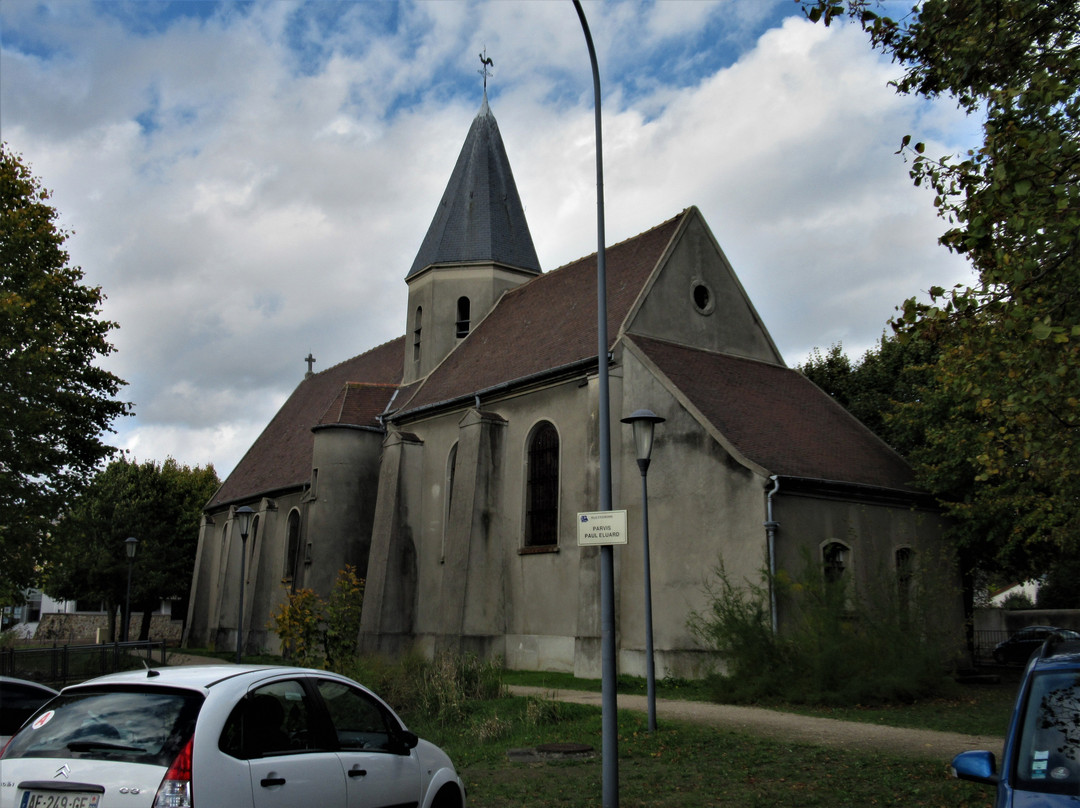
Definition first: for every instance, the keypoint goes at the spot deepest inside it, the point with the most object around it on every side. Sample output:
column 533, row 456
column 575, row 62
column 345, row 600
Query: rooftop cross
column 310, row 361
column 483, row 71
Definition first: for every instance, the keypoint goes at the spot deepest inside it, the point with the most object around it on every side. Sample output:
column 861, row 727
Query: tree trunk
column 144, row 627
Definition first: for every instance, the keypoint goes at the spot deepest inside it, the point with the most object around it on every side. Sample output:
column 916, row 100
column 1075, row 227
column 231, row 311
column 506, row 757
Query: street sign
column 601, row 527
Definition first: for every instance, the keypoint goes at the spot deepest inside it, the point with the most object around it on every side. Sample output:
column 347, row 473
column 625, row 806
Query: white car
column 223, row 736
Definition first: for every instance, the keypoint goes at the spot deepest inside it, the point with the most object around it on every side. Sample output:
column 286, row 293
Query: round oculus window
column 703, row 298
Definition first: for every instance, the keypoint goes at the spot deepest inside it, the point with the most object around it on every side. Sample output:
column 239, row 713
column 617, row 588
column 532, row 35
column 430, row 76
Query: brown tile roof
column 281, row 456
column 358, row 404
column 777, row 418
column 548, row 322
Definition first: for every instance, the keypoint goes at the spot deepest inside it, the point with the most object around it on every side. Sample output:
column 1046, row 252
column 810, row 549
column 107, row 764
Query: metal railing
column 62, row 664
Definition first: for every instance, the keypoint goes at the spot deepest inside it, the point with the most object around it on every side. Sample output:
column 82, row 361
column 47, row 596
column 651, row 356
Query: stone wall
column 86, row 627
column 1012, row 620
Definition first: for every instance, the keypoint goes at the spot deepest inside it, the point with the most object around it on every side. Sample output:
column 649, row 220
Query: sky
column 249, row 182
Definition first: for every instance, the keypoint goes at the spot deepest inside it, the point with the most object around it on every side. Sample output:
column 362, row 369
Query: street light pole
column 643, row 422
column 243, row 516
column 609, row 747
column 130, row 544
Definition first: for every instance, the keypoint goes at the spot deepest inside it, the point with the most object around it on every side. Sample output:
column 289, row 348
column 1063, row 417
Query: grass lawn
column 686, row 765
column 978, row 709
column 680, row 766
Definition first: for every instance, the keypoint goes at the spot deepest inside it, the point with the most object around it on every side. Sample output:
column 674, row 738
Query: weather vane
column 484, row 71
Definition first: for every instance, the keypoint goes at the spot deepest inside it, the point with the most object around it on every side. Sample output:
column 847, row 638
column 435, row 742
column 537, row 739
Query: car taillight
column 175, row 788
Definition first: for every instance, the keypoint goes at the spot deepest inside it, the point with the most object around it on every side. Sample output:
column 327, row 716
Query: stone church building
column 449, row 465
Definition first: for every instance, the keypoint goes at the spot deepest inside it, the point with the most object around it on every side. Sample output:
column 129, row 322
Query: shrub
column 319, row 633
column 441, row 689
column 341, row 617
column 837, row 648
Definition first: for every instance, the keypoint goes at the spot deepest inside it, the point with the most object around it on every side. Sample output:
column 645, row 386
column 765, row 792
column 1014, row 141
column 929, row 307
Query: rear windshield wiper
column 102, row 746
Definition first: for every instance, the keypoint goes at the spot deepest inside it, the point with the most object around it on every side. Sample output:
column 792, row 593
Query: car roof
column 28, row 682
column 1060, row 655
column 199, row 677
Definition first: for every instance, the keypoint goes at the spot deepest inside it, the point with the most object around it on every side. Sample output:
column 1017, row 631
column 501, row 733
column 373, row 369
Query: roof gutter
column 842, row 489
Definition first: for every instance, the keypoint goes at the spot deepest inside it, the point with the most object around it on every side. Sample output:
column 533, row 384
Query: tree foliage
column 1002, row 418
column 55, row 402
column 158, row 504
column 876, row 388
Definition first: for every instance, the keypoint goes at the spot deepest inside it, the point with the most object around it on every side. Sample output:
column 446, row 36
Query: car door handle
column 357, row 772
column 267, row 782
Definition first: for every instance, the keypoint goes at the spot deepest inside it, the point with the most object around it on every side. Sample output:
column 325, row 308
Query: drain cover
column 564, row 749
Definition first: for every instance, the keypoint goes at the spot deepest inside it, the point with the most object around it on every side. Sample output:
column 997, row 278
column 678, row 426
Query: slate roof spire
column 480, row 217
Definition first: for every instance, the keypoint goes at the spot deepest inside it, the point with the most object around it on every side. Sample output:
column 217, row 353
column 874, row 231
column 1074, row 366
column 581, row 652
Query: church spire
column 480, row 217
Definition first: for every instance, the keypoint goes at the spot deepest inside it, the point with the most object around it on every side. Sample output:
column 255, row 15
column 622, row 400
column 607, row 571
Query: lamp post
column 643, row 422
column 609, row 751
column 242, row 515
column 130, row 543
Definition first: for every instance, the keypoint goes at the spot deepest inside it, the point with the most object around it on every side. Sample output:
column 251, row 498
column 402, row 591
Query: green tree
column 877, row 387
column 158, row 504
column 1002, row 451
column 55, row 402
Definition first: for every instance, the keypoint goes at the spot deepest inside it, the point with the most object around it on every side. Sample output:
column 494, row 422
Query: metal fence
column 985, row 642
column 62, row 664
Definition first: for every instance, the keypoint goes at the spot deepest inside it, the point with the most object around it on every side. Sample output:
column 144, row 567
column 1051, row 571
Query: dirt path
column 809, row 729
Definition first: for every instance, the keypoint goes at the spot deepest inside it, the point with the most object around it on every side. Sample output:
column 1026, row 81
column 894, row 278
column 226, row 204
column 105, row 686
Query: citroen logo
column 63, row 770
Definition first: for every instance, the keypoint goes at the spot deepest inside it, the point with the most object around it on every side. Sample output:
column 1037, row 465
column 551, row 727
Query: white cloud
column 254, row 185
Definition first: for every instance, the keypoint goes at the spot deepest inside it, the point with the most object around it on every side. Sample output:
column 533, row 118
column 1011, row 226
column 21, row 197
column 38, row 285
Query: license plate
column 58, row 799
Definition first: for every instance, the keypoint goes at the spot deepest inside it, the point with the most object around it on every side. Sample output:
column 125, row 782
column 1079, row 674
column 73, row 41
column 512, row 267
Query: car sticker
column 43, row 719
column 1060, row 773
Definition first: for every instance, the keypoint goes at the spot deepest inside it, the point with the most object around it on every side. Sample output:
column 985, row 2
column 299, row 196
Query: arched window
column 905, row 573
column 418, row 325
column 542, row 497
column 463, row 311
column 292, row 545
column 451, row 467
column 254, row 539
column 835, row 558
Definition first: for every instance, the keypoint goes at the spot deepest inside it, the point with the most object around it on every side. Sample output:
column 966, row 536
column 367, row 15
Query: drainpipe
column 770, row 532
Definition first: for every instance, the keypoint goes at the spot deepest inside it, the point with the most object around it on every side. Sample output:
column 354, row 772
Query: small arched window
column 905, row 573
column 542, row 497
column 464, row 309
column 292, row 545
column 418, row 326
column 835, row 559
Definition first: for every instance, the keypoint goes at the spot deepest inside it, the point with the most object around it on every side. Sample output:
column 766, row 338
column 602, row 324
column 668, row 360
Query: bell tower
column 477, row 246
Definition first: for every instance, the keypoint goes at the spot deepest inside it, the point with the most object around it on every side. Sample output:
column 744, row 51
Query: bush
column 317, row 633
column 440, row 689
column 836, row 649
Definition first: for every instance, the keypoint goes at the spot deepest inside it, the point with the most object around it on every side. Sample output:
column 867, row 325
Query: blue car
column 1040, row 765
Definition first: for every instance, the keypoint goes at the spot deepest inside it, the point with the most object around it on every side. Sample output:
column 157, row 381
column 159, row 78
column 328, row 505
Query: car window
column 274, row 719
column 18, row 702
column 139, row 726
column 1048, row 759
column 359, row 722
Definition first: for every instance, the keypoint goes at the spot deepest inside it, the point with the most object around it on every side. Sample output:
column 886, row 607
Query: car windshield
column 131, row 725
column 1048, row 759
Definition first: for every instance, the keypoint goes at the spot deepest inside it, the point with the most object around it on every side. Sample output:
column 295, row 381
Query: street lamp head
column 243, row 516
column 643, row 422
column 130, row 543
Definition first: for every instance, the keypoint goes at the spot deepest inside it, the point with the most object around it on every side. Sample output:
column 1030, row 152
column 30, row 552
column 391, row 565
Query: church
column 449, row 465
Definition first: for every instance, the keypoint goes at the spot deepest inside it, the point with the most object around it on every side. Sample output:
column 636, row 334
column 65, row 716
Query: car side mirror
column 404, row 741
column 979, row 767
